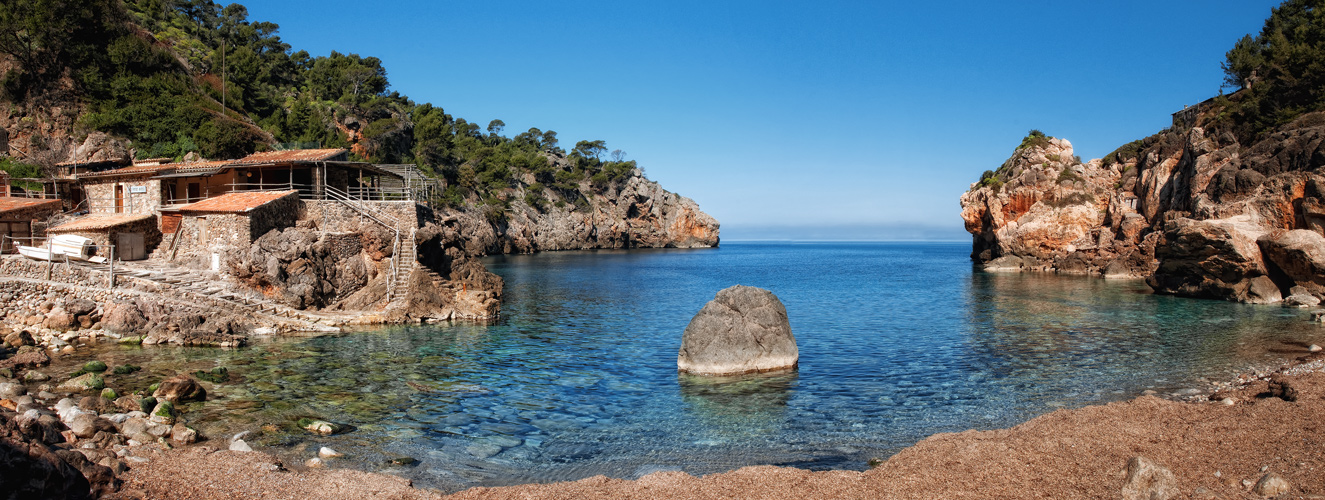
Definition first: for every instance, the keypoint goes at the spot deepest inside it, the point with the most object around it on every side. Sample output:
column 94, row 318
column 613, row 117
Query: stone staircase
column 405, row 260
column 404, row 255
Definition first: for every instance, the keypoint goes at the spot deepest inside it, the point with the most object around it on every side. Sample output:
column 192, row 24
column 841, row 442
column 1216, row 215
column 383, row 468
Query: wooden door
column 119, row 198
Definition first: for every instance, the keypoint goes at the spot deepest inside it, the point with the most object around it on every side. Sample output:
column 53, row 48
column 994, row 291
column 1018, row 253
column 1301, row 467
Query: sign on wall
column 138, row 189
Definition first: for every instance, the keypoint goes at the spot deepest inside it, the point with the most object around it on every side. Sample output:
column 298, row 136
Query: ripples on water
column 897, row 341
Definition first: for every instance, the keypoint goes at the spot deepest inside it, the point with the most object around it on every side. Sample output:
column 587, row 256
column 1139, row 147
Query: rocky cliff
column 637, row 213
column 1195, row 212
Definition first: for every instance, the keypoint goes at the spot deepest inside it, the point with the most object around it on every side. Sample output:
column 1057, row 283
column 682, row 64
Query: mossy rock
column 218, row 375
column 126, row 369
column 147, row 404
column 94, row 366
column 154, row 387
column 402, row 461
column 164, row 413
column 84, row 382
column 110, row 394
column 134, row 340
column 6, row 373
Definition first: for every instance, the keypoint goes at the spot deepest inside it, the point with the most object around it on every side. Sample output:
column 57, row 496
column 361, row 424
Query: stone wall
column 101, row 195
column 224, row 233
column 203, row 235
column 277, row 214
column 334, row 216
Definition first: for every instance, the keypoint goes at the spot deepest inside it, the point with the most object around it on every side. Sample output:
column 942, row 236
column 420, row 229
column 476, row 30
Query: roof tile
column 290, row 155
column 236, row 203
column 8, row 203
column 98, row 221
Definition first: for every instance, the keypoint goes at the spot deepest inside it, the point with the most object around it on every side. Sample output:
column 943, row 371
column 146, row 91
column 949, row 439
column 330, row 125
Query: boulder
column 183, row 434
column 80, row 307
column 180, row 388
column 136, row 428
column 742, row 330
column 84, row 382
column 29, row 359
column 1147, row 480
column 29, row 468
column 164, row 413
column 1280, row 387
column 1213, row 259
column 20, row 338
column 60, row 320
column 1300, row 255
column 124, row 319
column 86, row 425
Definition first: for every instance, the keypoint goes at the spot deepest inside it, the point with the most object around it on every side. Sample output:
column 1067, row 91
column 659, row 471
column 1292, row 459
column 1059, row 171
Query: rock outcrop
column 1192, row 210
column 742, row 330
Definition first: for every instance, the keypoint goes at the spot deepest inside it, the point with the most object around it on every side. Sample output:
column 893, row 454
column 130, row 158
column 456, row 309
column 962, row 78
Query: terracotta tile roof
column 291, row 155
column 98, row 221
column 236, row 203
column 155, row 169
column 8, row 203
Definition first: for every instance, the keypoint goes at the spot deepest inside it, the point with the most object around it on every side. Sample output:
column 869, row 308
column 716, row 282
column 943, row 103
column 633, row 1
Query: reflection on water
column 897, row 341
column 752, row 404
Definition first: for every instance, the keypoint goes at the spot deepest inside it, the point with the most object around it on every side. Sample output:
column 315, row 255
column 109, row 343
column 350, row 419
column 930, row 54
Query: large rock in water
column 742, row 330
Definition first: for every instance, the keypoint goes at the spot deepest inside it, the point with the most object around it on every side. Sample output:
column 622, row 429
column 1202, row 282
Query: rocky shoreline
column 1190, row 209
column 63, row 437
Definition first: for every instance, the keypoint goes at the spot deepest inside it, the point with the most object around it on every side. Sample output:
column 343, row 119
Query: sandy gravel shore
column 1214, row 449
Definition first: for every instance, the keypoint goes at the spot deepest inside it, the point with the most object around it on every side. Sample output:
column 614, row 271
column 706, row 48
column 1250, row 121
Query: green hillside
column 180, row 76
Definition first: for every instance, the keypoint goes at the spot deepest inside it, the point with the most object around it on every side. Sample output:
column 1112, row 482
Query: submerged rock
column 320, row 427
column 742, row 330
column 329, row 453
column 180, row 388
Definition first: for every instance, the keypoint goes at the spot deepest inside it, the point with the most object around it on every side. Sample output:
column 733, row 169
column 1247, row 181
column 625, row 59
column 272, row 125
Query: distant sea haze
column 846, row 232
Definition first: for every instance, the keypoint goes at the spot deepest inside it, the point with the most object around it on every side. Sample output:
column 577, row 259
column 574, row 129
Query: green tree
column 1281, row 70
column 590, row 149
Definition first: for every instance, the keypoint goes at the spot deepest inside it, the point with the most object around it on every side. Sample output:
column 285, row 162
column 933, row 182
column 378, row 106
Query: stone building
column 145, row 187
column 229, row 221
column 134, row 235
column 23, row 218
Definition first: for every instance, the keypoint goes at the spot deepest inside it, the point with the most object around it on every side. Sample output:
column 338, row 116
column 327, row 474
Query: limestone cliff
column 632, row 213
column 1195, row 212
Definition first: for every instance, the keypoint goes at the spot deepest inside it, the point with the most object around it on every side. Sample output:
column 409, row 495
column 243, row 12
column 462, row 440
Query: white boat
column 38, row 253
column 63, row 246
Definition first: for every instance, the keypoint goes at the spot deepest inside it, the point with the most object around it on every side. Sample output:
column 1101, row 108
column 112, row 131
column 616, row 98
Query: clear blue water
column 897, row 341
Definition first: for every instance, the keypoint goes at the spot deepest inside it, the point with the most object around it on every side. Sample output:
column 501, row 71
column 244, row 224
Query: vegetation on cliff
column 1279, row 74
column 180, row 76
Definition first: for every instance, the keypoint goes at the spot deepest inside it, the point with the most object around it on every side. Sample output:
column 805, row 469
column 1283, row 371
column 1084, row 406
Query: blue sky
column 799, row 120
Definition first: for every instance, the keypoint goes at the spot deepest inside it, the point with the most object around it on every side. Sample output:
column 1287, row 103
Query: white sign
column 137, row 189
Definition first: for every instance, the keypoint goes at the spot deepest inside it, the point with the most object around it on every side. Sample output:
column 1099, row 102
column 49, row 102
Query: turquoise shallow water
column 897, row 341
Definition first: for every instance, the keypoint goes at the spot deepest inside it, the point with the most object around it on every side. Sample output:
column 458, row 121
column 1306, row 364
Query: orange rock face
column 1187, row 211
